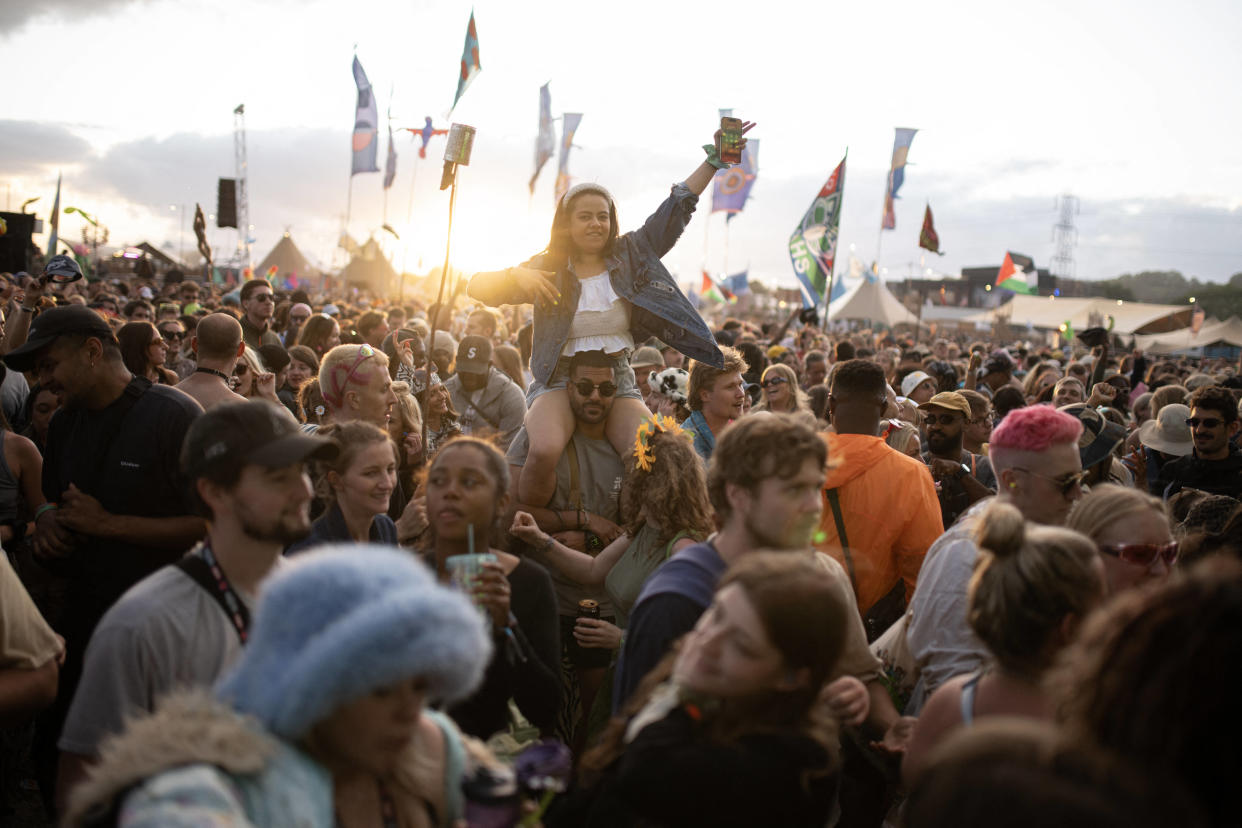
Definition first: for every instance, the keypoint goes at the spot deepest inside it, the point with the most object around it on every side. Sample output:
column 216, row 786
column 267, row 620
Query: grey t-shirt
column 599, row 481
column 165, row 632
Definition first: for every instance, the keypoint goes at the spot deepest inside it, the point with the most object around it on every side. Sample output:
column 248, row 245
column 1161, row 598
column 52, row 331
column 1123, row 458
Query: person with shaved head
column 217, row 342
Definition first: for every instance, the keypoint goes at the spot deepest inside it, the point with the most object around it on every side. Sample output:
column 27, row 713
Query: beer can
column 588, row 608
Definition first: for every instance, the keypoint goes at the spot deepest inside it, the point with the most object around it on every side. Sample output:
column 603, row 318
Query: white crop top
column 602, row 322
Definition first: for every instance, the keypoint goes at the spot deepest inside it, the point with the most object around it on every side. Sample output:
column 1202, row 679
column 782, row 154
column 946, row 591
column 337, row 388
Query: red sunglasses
column 1143, row 554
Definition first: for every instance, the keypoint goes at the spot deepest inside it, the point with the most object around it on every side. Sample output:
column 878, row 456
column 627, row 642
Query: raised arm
column 698, row 180
column 574, row 565
column 514, row 286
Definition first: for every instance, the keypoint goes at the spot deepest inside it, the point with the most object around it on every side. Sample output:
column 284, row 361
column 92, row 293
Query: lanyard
column 220, row 588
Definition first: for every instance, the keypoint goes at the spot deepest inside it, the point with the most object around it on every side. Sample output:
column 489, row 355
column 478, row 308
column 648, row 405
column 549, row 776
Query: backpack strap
column 834, row 501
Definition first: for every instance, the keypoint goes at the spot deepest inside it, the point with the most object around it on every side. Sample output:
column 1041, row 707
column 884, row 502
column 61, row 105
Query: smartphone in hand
column 731, row 140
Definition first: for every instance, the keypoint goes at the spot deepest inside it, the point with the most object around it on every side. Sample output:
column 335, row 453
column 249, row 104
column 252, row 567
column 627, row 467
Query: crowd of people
column 294, row 557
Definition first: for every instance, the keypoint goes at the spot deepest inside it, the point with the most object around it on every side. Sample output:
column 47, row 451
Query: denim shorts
column 627, row 386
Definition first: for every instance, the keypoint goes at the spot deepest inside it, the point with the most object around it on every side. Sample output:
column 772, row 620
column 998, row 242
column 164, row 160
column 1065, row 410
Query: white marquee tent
column 873, row 301
column 1050, row 312
column 1228, row 332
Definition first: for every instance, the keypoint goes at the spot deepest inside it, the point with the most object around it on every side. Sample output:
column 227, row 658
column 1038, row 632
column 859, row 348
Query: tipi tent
column 288, row 260
column 368, row 267
column 871, row 300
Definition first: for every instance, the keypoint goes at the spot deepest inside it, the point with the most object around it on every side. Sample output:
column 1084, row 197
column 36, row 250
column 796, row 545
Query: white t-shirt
column 165, row 632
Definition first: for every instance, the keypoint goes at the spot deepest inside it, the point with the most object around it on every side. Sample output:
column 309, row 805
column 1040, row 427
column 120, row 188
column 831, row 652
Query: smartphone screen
column 731, row 140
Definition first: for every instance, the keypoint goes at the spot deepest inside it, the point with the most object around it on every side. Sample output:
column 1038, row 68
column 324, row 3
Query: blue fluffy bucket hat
column 340, row 622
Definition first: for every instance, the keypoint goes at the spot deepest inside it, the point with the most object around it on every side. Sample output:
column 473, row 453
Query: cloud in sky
column 18, row 14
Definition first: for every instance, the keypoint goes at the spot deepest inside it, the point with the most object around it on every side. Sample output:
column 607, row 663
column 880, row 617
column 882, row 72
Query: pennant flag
column 731, row 187
column 813, row 243
column 366, row 125
column 545, row 141
column 928, row 240
column 1013, row 277
column 200, row 233
column 738, row 283
column 470, row 66
column 896, row 174
column 569, row 126
column 55, row 222
column 271, row 273
column 390, row 166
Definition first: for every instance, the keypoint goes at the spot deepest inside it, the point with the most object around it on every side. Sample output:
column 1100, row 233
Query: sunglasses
column 171, row 335
column 263, row 297
column 1143, row 554
column 586, row 387
column 771, row 381
column 1206, row 422
column 1064, row 484
column 942, row 419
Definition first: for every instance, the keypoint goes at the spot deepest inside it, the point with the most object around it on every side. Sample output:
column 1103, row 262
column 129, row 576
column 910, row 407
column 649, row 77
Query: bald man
column 218, row 343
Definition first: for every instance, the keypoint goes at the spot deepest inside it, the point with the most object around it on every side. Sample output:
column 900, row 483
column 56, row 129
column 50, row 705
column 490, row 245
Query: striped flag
column 470, row 66
column 896, row 174
column 366, row 125
column 545, row 141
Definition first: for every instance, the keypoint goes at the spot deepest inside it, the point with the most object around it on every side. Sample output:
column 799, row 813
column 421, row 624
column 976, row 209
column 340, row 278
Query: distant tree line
column 1167, row 287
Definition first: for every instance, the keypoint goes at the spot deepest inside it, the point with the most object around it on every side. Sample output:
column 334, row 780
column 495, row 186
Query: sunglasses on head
column 1065, row 484
column 586, row 387
column 1143, row 554
column 771, row 381
column 1206, row 422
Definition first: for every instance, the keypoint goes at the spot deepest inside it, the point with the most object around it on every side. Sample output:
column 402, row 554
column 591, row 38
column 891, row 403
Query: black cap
column 1100, row 436
column 63, row 268
column 249, row 433
column 274, row 357
column 474, row 355
column 53, row 323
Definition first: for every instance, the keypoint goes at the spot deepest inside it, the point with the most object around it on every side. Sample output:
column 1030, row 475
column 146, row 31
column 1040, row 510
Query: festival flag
column 1013, row 277
column 715, row 291
column 470, row 66
column 928, row 240
column 569, row 126
column 271, row 273
column 813, row 243
column 426, row 133
column 838, row 287
column 390, row 166
column 366, row 125
column 545, row 141
column 896, row 174
column 738, row 283
column 55, row 222
column 731, row 187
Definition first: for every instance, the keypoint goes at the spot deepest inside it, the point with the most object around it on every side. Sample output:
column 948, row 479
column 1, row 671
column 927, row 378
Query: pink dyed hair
column 1035, row 428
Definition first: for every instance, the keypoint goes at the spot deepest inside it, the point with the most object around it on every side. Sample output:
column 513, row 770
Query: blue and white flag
column 738, row 283
column 545, row 141
column 366, row 125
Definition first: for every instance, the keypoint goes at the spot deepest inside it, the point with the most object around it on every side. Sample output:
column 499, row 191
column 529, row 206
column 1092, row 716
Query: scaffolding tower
column 244, row 230
column 1064, row 237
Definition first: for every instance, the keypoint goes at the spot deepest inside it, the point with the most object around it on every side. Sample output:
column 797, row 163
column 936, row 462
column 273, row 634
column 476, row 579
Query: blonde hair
column 1106, row 505
column 407, row 407
column 703, row 376
column 336, row 367
column 800, row 399
column 510, row 361
column 1027, row 579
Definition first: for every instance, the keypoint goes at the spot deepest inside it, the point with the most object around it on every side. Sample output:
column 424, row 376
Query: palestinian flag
column 1014, row 278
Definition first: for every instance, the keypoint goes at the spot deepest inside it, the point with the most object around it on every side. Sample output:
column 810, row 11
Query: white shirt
column 602, row 322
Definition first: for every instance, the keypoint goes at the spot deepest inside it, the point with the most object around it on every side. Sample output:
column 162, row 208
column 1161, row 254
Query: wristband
column 46, row 507
column 713, row 157
column 25, row 309
column 547, row 544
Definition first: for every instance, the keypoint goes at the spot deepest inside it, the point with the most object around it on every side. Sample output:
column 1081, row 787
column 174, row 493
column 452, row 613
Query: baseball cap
column 474, row 355
column 912, row 381
column 52, row 324
column 274, row 357
column 251, row 433
column 63, row 268
column 1099, row 436
column 950, row 400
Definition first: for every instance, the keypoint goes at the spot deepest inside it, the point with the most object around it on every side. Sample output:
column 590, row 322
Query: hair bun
column 1002, row 530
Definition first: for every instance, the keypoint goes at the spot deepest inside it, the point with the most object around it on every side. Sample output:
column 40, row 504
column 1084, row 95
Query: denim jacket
column 704, row 440
column 657, row 306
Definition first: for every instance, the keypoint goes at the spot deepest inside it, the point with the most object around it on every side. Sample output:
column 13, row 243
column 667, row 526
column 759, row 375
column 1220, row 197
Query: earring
column 1013, row 485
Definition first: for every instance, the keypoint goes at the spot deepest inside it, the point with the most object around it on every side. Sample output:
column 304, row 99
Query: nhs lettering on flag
column 810, row 278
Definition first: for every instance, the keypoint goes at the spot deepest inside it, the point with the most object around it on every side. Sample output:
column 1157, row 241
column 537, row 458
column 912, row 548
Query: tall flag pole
column 55, row 222
column 902, row 140
column 569, row 126
column 366, row 134
column 928, row 239
column 813, row 243
column 545, row 141
column 470, row 66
